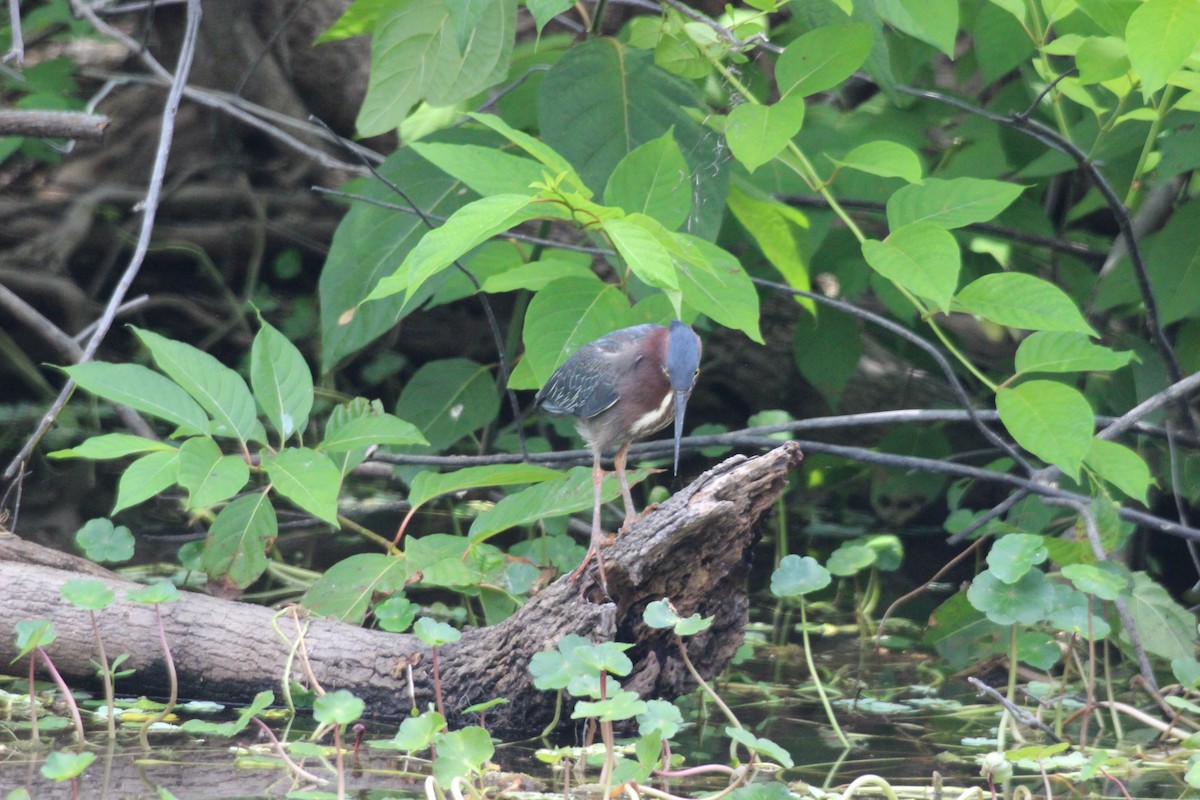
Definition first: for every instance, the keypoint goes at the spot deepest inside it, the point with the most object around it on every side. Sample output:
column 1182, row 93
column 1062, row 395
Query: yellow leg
column 619, row 466
column 598, row 537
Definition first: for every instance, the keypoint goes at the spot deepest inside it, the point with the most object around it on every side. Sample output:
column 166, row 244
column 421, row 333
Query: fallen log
column 694, row 549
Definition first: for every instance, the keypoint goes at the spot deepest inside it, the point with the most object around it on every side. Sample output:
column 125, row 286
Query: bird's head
column 682, row 366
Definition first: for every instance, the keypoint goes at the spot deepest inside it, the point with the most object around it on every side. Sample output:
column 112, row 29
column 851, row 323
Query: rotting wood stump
column 694, row 549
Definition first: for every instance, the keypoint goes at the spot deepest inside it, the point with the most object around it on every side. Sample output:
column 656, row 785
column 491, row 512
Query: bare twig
column 150, row 209
column 1017, row 712
column 65, row 124
column 16, row 52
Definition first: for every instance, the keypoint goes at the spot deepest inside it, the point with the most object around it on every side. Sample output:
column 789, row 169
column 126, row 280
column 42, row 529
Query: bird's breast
column 654, row 420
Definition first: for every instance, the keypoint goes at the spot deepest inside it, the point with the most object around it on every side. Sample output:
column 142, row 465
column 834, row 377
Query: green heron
column 625, row 385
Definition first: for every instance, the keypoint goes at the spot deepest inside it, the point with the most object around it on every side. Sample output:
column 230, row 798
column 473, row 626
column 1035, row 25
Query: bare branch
column 65, row 124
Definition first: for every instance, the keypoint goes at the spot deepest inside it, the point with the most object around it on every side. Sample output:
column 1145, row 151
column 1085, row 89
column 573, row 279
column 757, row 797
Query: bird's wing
column 586, row 384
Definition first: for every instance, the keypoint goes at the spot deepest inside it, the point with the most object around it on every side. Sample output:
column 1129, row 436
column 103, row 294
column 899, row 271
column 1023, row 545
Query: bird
column 626, row 385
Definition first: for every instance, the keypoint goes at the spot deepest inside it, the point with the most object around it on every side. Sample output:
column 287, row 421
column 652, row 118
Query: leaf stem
column 812, row 670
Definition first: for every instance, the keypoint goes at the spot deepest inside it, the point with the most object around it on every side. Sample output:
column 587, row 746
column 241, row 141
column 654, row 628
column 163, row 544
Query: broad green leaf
column 774, row 228
column 1067, row 351
column 219, row 390
column 339, row 707
column 1161, row 35
column 1019, row 300
column 724, row 293
column 653, row 179
column 545, row 10
column 826, row 350
column 543, row 152
column 603, row 99
column 209, row 476
column 307, row 478
column 822, row 58
column 536, row 274
column 920, row 257
column 428, row 485
column 1070, row 614
column 145, row 478
column 566, row 315
column 448, row 399
column 343, row 415
column 1028, row 600
column 1122, row 467
column 62, row 766
column 1102, row 58
column 850, row 559
column 1173, row 263
column 281, row 381
column 485, row 170
column 462, row 754
column 144, row 390
column 104, row 542
column 643, row 250
column 239, row 538
column 1014, row 555
column 416, row 733
column 344, row 592
column 1166, row 628
column 113, row 445
column 416, row 55
column 568, row 494
column 369, row 431
column 1106, row 580
column 1111, row 15
column 91, row 594
column 797, row 576
column 442, row 559
column 950, row 203
column 931, row 21
column 466, row 229
column 758, row 133
column 885, row 159
column 1049, row 419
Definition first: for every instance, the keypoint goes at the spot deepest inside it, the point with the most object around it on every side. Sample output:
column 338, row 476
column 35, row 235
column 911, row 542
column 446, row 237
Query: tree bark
column 694, row 550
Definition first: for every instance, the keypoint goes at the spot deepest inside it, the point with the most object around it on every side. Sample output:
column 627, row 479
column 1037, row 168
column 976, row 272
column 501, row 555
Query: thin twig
column 16, row 51
column 62, row 124
column 1016, row 711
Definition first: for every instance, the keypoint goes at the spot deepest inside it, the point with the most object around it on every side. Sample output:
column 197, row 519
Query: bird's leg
column 619, row 466
column 598, row 537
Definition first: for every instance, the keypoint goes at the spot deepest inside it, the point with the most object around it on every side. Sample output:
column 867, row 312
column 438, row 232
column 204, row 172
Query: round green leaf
column 102, row 541
column 154, row 594
column 434, row 633
column 1105, row 580
column 1049, row 419
column 1026, row 601
column 1014, row 555
column 850, row 559
column 396, row 614
column 337, row 708
column 87, row 593
column 63, row 766
column 798, row 576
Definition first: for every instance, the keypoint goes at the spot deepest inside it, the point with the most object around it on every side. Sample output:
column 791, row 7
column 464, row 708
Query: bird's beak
column 681, row 399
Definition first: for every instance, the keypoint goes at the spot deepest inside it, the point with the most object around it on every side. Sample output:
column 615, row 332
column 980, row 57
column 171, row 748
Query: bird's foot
column 635, row 518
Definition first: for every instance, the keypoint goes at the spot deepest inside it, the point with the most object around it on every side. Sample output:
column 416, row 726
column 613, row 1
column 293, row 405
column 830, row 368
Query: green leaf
column 545, row 10
column 1122, row 467
column 357, row 20
column 1019, row 300
column 920, row 257
column 603, row 99
column 1105, row 580
column 113, row 445
column 774, row 228
column 1111, row 15
column 849, row 559
column 446, row 400
column 466, row 229
column 461, row 753
column 146, row 477
column 567, row 494
column 103, row 542
column 543, row 152
column 31, row 634
column 822, row 58
column 155, row 594
column 951, row 203
column 369, row 431
column 338, row 707
column 416, row 55
column 724, row 292
column 416, row 733
column 642, row 246
column 1014, row 555
column 653, row 179
column 1161, row 35
column 281, row 380
column 87, row 593
column 219, row 390
column 1069, row 613
column 144, row 390
column 64, row 766
column 566, row 315
column 434, row 633
column 1049, row 419
column 660, row 614
column 762, row 746
column 1067, row 351
column 485, row 170
column 209, row 476
column 535, row 275
column 798, row 576
column 885, row 159
column 344, row 592
column 621, row 705
column 660, row 716
column 428, row 485
column 396, row 614
column 1102, row 58
column 1027, row 600
column 239, row 538
column 931, row 21
column 757, row 133
column 307, row 478
column 1166, row 628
